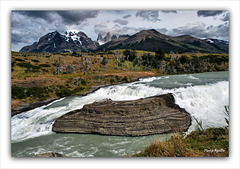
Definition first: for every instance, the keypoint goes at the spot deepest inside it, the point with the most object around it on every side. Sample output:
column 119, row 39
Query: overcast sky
column 28, row 26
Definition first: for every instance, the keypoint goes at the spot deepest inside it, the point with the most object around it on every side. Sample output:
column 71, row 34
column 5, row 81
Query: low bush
column 29, row 66
column 196, row 144
column 44, row 65
column 39, row 93
column 34, row 60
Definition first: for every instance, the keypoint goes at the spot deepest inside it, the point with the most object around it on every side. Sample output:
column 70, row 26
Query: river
column 203, row 95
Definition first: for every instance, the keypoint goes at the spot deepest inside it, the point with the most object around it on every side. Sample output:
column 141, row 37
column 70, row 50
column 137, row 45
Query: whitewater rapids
column 202, row 95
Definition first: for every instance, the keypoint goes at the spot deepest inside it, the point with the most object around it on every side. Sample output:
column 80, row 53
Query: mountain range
column 147, row 40
column 55, row 42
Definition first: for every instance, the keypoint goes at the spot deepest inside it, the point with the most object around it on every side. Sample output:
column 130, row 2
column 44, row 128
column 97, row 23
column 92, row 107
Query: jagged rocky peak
column 100, row 39
column 114, row 37
column 108, row 37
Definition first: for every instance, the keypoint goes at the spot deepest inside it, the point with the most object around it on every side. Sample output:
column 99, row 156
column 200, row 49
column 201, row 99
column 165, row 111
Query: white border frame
column 6, row 161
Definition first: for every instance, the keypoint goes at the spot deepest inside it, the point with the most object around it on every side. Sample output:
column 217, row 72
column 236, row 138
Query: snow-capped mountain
column 148, row 40
column 55, row 42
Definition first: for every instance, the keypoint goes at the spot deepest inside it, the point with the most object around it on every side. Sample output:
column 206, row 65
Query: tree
column 159, row 54
column 104, row 61
column 183, row 59
column 130, row 54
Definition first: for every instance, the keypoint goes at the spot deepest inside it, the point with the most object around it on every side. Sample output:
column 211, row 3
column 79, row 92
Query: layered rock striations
column 153, row 115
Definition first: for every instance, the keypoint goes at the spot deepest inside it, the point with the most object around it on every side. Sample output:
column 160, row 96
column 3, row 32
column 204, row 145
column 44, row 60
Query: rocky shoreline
column 148, row 116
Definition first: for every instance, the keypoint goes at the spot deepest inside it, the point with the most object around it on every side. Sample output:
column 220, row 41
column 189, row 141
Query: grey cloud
column 68, row 17
column 116, row 26
column 127, row 16
column 162, row 30
column 125, row 30
column 206, row 13
column 116, row 29
column 200, row 30
column 169, row 11
column 74, row 17
column 121, row 22
column 45, row 15
column 148, row 15
column 101, row 28
column 225, row 17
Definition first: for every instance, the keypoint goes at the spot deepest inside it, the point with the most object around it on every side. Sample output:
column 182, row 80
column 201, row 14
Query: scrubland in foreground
column 213, row 142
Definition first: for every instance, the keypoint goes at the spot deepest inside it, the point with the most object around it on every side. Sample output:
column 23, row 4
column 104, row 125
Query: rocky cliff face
column 100, row 39
column 108, row 37
column 55, row 42
column 153, row 115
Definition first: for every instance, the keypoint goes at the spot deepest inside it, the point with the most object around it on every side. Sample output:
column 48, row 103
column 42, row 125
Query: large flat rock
column 153, row 115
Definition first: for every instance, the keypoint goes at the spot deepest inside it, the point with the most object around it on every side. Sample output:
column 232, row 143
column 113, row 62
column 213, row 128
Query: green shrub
column 18, row 59
column 39, row 93
column 29, row 66
column 44, row 65
column 104, row 61
column 130, row 54
column 34, row 60
column 62, row 91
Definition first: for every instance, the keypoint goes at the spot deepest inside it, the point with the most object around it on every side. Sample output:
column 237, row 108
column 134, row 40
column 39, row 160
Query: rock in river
column 50, row 154
column 153, row 115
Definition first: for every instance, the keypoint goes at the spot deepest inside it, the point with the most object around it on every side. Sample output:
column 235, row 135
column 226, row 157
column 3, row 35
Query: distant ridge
column 150, row 40
column 147, row 40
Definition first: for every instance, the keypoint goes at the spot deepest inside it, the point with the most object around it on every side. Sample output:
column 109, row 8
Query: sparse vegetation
column 99, row 68
column 213, row 142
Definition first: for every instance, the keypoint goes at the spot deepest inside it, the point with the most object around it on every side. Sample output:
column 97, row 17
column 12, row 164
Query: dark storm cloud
column 148, row 15
column 45, row 15
column 68, row 17
column 200, row 30
column 206, row 13
column 16, row 38
column 169, row 11
column 121, row 22
column 127, row 16
column 74, row 17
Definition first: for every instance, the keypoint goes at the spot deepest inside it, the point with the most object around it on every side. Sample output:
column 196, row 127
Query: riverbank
column 212, row 142
column 21, row 105
column 201, row 95
column 39, row 77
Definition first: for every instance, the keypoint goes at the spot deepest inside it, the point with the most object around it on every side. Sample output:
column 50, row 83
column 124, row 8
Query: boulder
column 153, row 115
column 50, row 154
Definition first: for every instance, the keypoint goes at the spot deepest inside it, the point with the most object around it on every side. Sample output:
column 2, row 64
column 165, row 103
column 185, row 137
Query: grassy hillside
column 40, row 76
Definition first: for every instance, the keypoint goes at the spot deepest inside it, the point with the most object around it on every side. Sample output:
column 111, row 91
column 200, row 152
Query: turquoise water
column 203, row 95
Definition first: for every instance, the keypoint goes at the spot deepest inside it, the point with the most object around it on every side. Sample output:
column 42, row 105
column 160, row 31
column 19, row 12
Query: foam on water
column 204, row 102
